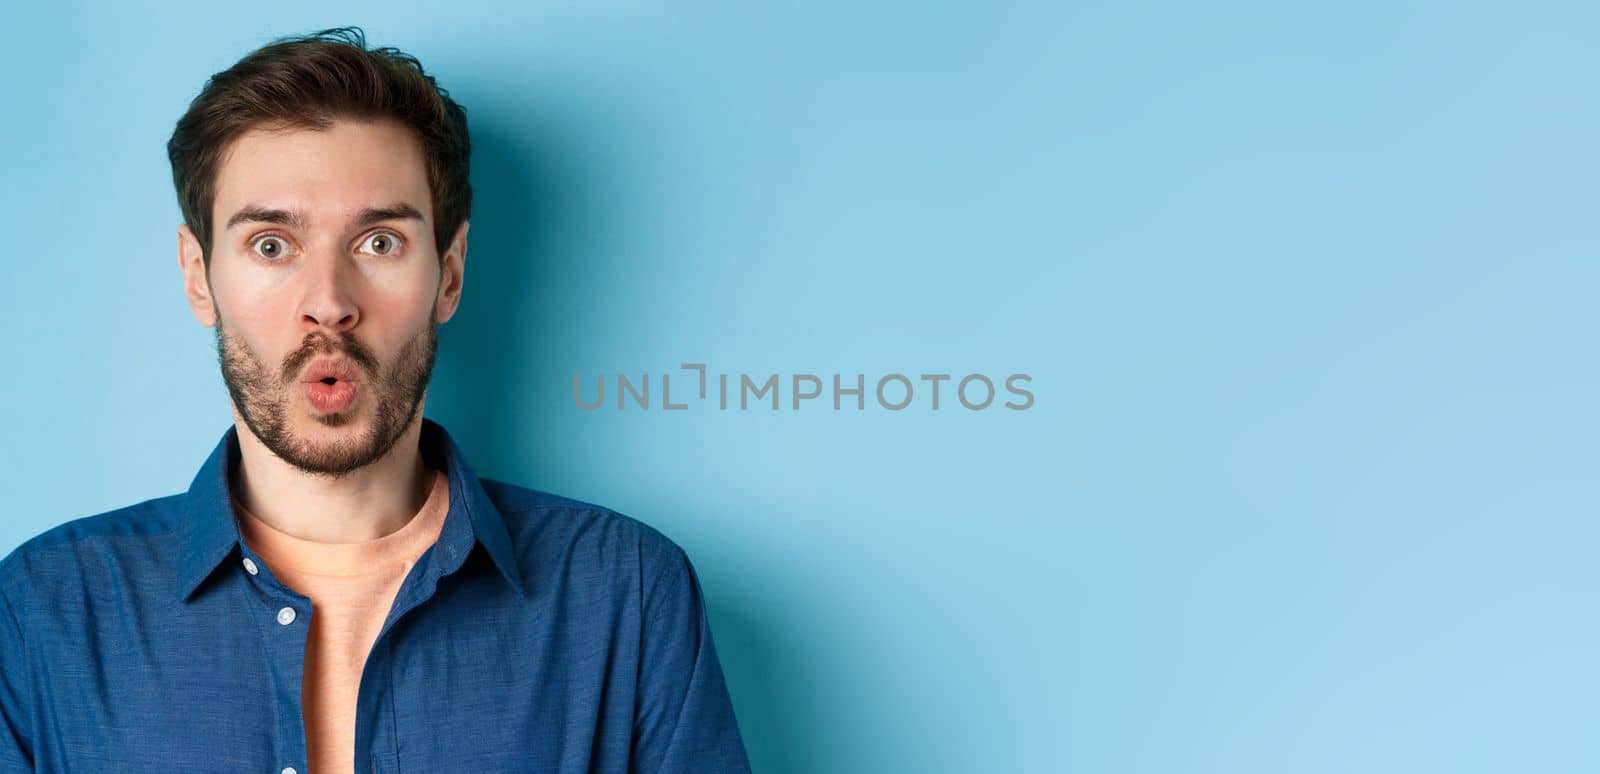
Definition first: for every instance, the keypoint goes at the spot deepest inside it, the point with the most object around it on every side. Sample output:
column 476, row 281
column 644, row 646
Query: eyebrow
column 251, row 213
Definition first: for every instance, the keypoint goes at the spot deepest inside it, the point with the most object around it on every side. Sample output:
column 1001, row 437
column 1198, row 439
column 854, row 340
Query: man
column 337, row 591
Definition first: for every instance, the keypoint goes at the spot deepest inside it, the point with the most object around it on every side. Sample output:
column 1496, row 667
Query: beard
column 266, row 398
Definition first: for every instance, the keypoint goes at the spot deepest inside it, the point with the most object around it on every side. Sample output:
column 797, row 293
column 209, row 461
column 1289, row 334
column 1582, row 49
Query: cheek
column 240, row 293
column 255, row 316
column 402, row 301
column 396, row 318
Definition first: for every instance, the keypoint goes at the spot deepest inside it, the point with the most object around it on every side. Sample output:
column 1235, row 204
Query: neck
column 362, row 505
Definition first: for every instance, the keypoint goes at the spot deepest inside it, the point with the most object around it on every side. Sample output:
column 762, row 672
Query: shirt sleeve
column 15, row 748
column 685, row 721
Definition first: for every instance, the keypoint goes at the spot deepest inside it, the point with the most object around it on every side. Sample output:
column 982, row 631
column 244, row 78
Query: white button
column 288, row 769
column 286, row 616
column 249, row 566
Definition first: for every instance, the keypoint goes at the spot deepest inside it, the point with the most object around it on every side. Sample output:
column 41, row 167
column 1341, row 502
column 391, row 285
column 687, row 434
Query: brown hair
column 308, row 81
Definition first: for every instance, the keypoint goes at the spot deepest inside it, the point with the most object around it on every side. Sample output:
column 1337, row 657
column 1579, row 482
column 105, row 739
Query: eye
column 270, row 247
column 383, row 243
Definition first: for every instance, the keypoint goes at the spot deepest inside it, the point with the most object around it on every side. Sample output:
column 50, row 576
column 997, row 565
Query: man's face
column 325, row 289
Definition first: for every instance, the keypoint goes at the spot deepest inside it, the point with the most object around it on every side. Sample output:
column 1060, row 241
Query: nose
column 328, row 300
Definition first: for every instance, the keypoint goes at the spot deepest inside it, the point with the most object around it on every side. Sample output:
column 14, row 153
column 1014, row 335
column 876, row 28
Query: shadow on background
column 530, row 202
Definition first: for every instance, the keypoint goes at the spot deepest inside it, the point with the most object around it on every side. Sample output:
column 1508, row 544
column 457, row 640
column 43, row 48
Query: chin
column 355, row 418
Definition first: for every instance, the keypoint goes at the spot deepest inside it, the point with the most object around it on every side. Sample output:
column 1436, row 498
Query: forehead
column 329, row 174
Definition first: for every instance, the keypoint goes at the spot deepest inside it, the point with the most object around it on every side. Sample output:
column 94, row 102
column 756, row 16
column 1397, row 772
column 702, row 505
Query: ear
column 196, row 286
column 452, row 272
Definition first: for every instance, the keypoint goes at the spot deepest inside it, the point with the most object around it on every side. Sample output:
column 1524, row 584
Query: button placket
column 277, row 607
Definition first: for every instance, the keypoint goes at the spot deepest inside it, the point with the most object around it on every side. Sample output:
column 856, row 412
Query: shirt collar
column 210, row 534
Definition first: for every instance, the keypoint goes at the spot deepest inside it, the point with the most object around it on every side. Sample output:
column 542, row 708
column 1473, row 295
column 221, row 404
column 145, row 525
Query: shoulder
column 526, row 508
column 63, row 553
column 545, row 523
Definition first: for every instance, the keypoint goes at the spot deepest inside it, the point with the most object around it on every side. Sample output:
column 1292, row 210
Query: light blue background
column 1308, row 297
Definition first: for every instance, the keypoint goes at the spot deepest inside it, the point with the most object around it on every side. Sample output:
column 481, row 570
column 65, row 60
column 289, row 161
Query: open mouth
column 331, row 381
column 331, row 395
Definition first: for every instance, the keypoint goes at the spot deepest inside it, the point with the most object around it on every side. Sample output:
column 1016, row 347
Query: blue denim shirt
column 538, row 633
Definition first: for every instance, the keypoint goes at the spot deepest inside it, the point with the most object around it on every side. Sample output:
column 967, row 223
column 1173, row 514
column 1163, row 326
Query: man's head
column 325, row 198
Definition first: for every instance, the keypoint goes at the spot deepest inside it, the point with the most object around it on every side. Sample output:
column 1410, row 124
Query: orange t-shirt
column 351, row 586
